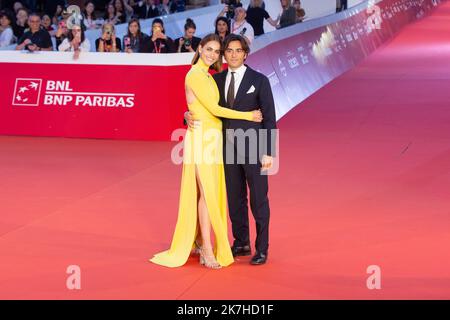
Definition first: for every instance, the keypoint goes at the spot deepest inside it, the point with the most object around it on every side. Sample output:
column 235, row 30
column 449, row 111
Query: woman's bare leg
column 198, row 238
column 205, row 228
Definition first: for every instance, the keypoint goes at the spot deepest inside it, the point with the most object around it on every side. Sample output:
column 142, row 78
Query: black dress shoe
column 259, row 258
column 241, row 251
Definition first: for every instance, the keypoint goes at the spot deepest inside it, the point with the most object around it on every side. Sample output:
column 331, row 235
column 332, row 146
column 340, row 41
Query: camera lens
column 230, row 13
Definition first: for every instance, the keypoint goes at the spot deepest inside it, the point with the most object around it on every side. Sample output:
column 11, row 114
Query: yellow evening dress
column 203, row 148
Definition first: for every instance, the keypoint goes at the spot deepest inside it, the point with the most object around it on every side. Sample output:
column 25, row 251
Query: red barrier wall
column 147, row 102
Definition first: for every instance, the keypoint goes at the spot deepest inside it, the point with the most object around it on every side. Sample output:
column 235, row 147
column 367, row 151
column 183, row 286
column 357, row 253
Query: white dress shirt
column 238, row 76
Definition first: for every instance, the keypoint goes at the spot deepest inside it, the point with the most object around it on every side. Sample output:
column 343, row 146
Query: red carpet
column 364, row 180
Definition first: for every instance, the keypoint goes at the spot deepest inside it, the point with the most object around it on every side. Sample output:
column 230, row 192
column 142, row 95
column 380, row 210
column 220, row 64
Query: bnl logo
column 27, row 92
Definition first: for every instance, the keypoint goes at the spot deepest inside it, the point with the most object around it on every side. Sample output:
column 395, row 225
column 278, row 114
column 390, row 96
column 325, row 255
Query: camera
column 108, row 30
column 232, row 5
column 187, row 42
column 230, row 12
column 27, row 47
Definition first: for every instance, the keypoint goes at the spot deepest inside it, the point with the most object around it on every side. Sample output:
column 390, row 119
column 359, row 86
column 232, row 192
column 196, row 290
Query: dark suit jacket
column 143, row 13
column 261, row 98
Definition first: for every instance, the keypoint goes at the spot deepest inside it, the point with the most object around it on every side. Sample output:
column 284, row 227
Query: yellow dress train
column 202, row 149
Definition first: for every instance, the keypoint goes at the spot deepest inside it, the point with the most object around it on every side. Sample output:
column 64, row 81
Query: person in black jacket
column 134, row 38
column 37, row 38
column 158, row 42
column 341, row 5
column 188, row 42
column 256, row 16
column 147, row 10
column 108, row 42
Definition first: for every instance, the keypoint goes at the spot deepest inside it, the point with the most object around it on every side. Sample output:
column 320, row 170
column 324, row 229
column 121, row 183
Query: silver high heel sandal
column 208, row 260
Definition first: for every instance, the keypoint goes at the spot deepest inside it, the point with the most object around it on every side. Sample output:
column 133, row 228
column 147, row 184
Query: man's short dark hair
column 235, row 37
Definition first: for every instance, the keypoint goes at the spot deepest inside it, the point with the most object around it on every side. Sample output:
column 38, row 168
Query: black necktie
column 230, row 94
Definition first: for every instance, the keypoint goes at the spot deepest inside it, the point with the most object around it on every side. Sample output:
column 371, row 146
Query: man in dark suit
column 146, row 9
column 244, row 89
column 341, row 5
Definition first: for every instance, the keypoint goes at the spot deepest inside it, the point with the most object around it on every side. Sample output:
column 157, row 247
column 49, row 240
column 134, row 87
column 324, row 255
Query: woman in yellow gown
column 203, row 192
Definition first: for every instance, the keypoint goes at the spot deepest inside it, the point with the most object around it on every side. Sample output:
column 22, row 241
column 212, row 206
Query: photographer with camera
column 241, row 27
column 159, row 42
column 108, row 42
column 230, row 6
column 188, row 43
column 36, row 39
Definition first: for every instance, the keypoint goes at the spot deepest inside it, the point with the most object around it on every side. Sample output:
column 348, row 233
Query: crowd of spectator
column 17, row 17
column 30, row 24
column 250, row 22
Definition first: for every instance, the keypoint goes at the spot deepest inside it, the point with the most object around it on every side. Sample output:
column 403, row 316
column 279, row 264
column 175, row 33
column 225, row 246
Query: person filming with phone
column 159, row 42
column 75, row 42
column 133, row 40
column 108, row 42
